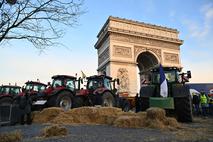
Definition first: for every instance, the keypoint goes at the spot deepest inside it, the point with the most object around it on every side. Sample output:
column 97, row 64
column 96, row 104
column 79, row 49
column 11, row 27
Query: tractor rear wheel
column 108, row 100
column 124, row 104
column 183, row 109
column 64, row 100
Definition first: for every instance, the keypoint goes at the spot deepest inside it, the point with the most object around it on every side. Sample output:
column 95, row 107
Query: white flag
column 163, row 83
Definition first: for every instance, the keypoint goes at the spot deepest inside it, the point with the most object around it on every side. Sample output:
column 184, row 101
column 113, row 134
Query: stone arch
column 123, row 77
column 156, row 53
column 145, row 62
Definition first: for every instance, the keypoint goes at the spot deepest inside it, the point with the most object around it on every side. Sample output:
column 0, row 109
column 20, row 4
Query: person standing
column 204, row 103
column 196, row 103
column 137, row 103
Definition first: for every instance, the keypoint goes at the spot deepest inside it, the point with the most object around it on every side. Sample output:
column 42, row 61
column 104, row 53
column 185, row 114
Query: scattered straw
column 54, row 130
column 15, row 136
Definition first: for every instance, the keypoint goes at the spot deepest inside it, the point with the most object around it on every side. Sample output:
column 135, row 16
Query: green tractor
column 178, row 101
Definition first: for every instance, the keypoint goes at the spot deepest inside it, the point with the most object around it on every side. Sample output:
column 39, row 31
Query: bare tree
column 40, row 22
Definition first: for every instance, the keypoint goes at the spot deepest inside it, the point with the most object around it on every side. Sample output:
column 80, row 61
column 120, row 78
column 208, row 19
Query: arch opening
column 145, row 62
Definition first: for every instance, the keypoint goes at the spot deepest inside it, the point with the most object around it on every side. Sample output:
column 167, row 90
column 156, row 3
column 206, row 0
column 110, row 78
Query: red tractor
column 8, row 94
column 59, row 94
column 100, row 90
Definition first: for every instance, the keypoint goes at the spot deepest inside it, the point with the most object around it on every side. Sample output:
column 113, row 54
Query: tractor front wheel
column 64, row 100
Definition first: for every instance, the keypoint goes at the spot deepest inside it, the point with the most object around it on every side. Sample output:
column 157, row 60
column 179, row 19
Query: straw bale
column 47, row 115
column 128, row 122
column 154, row 123
column 15, row 136
column 156, row 113
column 88, row 115
column 54, row 130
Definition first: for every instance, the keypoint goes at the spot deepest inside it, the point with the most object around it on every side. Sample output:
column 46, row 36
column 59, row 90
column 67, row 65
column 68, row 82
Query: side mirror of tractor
column 189, row 74
column 118, row 81
column 23, row 89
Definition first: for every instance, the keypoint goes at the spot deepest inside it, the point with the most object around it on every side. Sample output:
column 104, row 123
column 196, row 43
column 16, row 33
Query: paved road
column 92, row 133
column 102, row 133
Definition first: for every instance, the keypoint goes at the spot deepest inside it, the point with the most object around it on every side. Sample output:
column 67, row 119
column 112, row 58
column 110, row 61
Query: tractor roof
column 99, row 76
column 166, row 69
column 10, row 86
column 35, row 82
column 63, row 77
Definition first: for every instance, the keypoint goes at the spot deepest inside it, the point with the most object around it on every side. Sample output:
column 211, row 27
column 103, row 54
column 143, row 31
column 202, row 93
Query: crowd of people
column 202, row 104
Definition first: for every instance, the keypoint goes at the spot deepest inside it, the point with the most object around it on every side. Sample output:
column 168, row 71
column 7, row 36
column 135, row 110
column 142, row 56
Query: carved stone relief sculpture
column 171, row 58
column 123, row 76
column 122, row 51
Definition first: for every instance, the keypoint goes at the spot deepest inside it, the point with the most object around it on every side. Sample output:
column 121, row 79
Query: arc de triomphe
column 128, row 48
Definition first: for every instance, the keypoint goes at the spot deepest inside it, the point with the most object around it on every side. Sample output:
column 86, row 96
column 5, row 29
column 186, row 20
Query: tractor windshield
column 10, row 90
column 34, row 87
column 28, row 87
column 94, row 84
column 5, row 90
column 57, row 83
column 70, row 84
column 170, row 76
column 14, row 91
column 107, row 84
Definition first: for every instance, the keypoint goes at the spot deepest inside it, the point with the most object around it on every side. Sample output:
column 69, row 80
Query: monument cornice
column 111, row 27
column 144, row 35
column 142, row 24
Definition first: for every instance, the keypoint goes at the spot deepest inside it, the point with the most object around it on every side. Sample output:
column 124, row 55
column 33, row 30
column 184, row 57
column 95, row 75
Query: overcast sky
column 20, row 61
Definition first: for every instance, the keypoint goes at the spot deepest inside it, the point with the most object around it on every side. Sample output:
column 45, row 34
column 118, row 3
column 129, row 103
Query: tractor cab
column 173, row 75
column 33, row 88
column 99, row 81
column 63, row 81
column 8, row 93
column 8, row 90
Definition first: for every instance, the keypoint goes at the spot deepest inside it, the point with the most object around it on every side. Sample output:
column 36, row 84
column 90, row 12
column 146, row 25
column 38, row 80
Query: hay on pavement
column 15, row 136
column 54, row 130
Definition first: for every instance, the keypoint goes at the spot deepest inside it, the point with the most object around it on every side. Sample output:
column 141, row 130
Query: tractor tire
column 78, row 102
column 107, row 100
column 126, row 105
column 64, row 100
column 183, row 109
